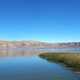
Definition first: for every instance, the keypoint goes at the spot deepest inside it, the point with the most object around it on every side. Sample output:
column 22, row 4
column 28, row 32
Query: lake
column 27, row 65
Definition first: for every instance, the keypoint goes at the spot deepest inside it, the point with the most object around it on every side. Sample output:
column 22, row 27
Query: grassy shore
column 69, row 59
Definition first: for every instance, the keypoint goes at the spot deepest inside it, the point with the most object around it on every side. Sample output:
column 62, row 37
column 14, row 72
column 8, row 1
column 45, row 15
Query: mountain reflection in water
column 33, row 51
column 19, row 52
column 27, row 65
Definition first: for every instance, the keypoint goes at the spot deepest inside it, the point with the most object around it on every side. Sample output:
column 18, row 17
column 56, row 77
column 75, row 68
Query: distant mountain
column 37, row 44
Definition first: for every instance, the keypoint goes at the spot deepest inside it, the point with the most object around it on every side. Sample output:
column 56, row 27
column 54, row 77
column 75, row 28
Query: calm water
column 33, row 68
column 29, row 66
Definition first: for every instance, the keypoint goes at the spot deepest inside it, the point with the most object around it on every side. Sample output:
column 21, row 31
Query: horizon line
column 42, row 41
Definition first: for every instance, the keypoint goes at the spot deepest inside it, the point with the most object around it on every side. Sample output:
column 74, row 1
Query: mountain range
column 37, row 44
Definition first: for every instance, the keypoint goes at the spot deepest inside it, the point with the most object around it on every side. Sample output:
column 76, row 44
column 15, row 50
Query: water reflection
column 20, row 52
column 32, row 68
column 58, row 59
column 33, row 51
column 28, row 66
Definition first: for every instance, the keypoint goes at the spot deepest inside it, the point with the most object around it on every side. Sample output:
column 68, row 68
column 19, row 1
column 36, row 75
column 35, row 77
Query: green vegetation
column 69, row 59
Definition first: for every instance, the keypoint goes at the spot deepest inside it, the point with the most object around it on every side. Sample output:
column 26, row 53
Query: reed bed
column 69, row 59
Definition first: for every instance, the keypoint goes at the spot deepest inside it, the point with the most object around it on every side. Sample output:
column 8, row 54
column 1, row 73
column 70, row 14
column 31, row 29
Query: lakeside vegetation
column 69, row 59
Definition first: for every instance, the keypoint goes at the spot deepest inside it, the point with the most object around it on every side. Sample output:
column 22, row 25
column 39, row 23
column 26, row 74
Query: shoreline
column 70, row 60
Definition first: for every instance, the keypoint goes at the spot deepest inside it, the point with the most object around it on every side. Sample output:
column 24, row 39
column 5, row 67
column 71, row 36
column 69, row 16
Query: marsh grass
column 69, row 59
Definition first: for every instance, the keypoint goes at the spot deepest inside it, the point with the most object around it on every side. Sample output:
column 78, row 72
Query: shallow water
column 32, row 68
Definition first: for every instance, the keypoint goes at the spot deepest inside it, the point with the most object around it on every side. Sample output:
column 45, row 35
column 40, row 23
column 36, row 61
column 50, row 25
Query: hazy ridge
column 37, row 44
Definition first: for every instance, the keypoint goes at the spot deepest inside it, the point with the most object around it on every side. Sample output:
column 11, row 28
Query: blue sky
column 43, row 20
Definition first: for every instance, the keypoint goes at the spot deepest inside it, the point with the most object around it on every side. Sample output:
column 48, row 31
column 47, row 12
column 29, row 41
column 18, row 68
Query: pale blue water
column 33, row 68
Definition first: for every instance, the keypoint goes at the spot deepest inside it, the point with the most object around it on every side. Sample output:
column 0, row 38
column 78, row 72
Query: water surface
column 27, row 65
column 32, row 68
